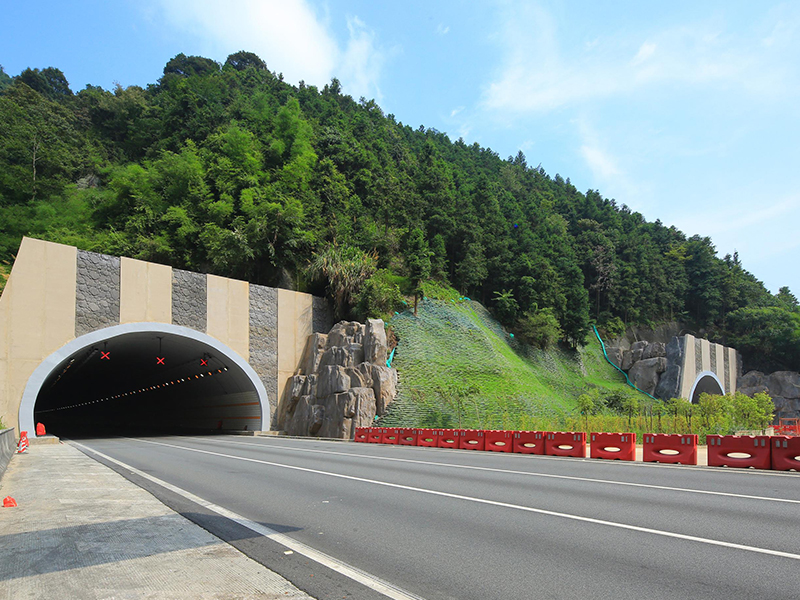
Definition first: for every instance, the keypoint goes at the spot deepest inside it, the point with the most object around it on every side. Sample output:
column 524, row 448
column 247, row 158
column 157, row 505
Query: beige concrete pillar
column 295, row 324
column 37, row 316
column 705, row 354
column 228, row 313
column 688, row 370
column 719, row 364
column 145, row 292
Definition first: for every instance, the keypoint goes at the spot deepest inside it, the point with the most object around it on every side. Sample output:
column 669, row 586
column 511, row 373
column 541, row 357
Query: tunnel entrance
column 706, row 383
column 144, row 378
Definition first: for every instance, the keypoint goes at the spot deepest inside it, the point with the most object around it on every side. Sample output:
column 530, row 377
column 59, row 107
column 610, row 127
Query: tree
column 505, row 307
column 418, row 261
column 585, row 407
column 345, row 269
column 245, row 60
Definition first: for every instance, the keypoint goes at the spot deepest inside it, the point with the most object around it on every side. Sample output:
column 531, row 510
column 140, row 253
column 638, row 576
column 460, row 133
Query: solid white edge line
column 512, row 472
column 375, row 583
column 540, row 511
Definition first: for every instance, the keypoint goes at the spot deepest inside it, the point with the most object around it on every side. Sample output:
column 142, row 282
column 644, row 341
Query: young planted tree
column 418, row 262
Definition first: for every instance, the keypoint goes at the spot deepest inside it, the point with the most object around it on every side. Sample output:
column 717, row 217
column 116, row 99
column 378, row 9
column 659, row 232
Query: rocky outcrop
column 342, row 383
column 782, row 386
column 653, row 367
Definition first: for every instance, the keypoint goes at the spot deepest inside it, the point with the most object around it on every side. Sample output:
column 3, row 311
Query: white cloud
column 602, row 165
column 537, row 73
column 442, row 29
column 456, row 110
column 361, row 62
column 289, row 35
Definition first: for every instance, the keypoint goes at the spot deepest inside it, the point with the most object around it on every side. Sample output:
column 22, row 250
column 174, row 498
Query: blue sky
column 688, row 112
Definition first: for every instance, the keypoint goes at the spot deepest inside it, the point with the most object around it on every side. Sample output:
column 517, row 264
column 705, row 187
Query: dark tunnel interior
column 706, row 385
column 147, row 383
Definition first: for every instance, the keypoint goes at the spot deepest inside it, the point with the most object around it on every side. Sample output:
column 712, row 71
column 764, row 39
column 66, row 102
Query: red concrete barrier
column 374, row 435
column 785, row 453
column 361, row 434
column 471, row 439
column 390, row 436
column 448, row 438
column 528, row 442
column 408, row 437
column 613, row 446
column 499, row 441
column 565, row 443
column 670, row 448
column 428, row 438
column 739, row 451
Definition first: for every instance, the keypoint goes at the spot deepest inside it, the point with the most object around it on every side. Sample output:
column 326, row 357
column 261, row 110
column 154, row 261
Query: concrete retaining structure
column 57, row 294
column 8, row 444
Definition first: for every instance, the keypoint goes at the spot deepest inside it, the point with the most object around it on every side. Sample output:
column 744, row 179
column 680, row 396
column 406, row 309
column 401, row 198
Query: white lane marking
column 383, row 587
column 512, row 472
column 541, row 511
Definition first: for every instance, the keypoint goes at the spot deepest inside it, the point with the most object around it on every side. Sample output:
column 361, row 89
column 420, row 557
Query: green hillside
column 454, row 361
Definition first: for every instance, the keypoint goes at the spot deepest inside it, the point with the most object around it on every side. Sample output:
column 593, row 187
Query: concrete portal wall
column 37, row 316
column 702, row 357
column 57, row 293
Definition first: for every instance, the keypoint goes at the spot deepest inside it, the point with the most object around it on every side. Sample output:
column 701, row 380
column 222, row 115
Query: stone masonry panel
column 97, row 292
column 189, row 299
column 264, row 339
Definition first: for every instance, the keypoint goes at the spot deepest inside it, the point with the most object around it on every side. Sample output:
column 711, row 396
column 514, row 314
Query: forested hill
column 228, row 169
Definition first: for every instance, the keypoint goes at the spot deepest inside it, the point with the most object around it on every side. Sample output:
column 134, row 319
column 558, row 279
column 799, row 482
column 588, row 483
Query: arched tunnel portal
column 144, row 377
column 706, row 382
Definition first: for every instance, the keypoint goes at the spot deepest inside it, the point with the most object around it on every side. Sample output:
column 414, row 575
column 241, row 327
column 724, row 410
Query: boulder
column 297, row 422
column 637, row 349
column 627, row 360
column 337, row 355
column 668, row 383
column 384, row 384
column 375, row 347
column 644, row 374
column 615, row 355
column 356, row 352
column 313, row 353
column 654, row 350
column 317, row 419
column 357, row 377
column 752, row 383
column 785, row 384
column 332, row 380
column 345, row 333
column 310, row 387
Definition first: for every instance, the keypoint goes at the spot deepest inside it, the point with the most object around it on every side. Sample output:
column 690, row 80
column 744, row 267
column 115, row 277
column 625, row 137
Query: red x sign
column 159, row 360
column 203, row 362
column 105, row 355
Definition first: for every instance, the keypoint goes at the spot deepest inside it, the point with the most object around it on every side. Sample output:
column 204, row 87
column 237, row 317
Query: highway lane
column 460, row 524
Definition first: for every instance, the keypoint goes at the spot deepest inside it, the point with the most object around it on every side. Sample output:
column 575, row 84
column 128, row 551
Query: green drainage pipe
column 628, row 381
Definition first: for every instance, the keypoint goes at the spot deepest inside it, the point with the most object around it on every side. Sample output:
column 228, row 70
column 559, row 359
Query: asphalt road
column 448, row 524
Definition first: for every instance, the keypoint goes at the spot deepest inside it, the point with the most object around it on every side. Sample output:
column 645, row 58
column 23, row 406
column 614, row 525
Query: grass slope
column 458, row 368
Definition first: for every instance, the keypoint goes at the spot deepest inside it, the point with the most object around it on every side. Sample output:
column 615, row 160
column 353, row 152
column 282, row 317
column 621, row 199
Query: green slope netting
column 455, row 363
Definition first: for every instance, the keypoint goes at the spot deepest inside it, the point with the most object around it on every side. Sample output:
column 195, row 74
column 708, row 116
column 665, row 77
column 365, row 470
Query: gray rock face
column 637, row 350
column 384, row 384
column 615, row 355
column 375, row 349
column 654, row 350
column 332, row 379
column 339, row 388
column 627, row 360
column 312, row 356
column 785, row 384
column 670, row 380
column 645, row 373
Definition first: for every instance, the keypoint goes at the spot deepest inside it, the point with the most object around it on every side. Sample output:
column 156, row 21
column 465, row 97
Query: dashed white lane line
column 513, row 472
column 647, row 530
column 375, row 583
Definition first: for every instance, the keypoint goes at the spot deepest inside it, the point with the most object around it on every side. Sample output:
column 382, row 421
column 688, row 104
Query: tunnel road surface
column 467, row 525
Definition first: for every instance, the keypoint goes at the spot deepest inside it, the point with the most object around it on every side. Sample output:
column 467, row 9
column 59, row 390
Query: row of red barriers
column 761, row 452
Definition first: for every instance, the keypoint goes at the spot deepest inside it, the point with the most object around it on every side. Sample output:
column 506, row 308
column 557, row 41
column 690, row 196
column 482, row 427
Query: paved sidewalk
column 82, row 531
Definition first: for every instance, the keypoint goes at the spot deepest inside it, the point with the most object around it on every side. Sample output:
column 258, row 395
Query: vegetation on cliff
column 227, row 169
